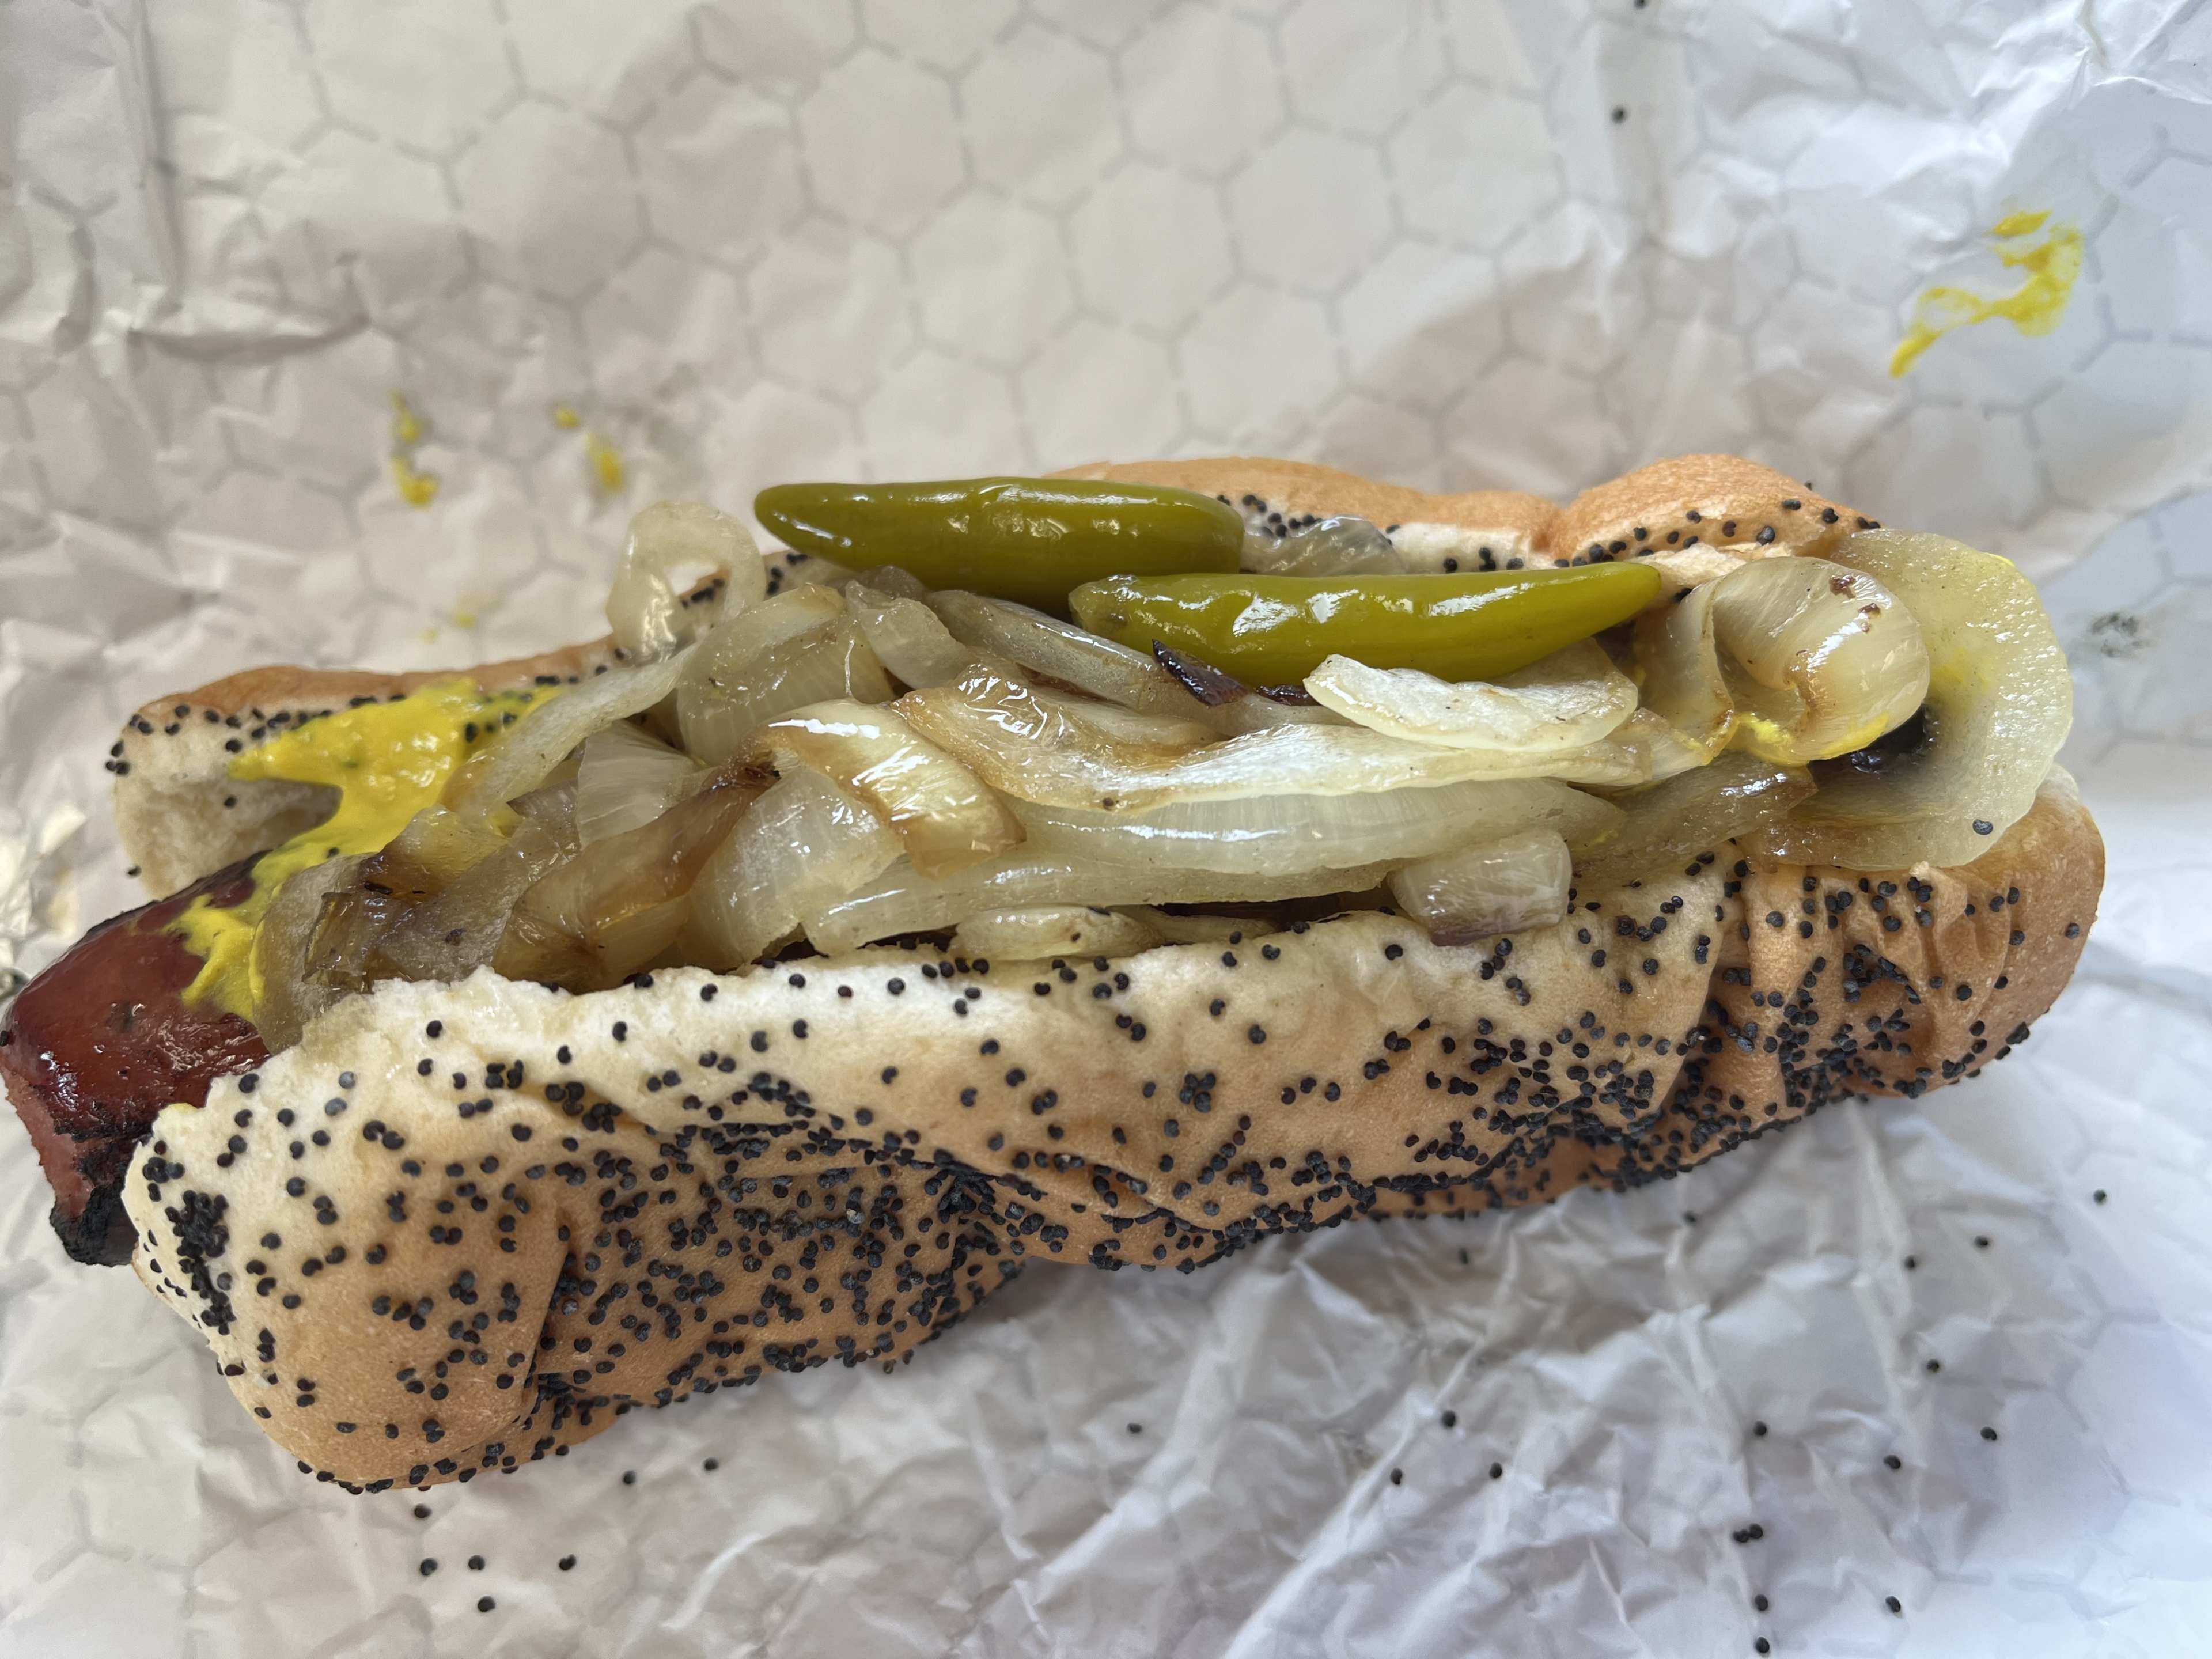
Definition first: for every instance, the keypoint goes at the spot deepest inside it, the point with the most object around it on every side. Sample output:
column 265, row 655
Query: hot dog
column 586, row 1094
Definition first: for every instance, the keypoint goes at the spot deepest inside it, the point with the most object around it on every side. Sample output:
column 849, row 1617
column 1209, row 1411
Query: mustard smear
column 417, row 488
column 2034, row 307
column 565, row 417
column 388, row 761
column 407, row 428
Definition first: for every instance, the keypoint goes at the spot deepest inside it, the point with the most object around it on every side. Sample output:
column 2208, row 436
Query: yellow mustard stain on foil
column 388, row 761
column 2053, row 263
column 608, row 471
column 417, row 488
column 565, row 417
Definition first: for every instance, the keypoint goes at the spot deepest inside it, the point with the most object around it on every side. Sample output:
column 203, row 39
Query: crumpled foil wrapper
column 337, row 333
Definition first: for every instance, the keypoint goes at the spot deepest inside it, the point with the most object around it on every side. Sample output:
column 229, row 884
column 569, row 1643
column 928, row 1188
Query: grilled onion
column 1497, row 887
column 1820, row 658
column 907, row 636
column 1036, row 752
column 804, row 845
column 619, row 903
column 902, row 901
column 291, row 990
column 1999, row 704
column 943, row 815
column 1570, row 698
column 537, row 743
column 457, row 931
column 1060, row 651
column 625, row 778
column 1679, row 661
column 1281, row 834
column 1045, row 931
column 1738, row 796
column 646, row 608
column 721, row 714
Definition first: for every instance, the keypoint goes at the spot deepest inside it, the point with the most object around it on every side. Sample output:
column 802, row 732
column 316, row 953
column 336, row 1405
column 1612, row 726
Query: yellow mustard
column 388, row 761
column 2034, row 307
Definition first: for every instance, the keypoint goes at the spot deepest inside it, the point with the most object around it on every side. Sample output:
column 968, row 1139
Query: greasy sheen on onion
column 1042, row 931
column 1036, row 751
column 1283, row 834
column 720, row 711
column 943, row 815
column 1340, row 546
column 618, row 904
column 1738, row 796
column 646, row 609
column 1820, row 658
column 907, row 636
column 903, row 901
column 801, row 846
column 1569, row 699
column 1496, row 887
column 1060, row 651
column 625, row 777
column 1998, row 707
column 542, row 738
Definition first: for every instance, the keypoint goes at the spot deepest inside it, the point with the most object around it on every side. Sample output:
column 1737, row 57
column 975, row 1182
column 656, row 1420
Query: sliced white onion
column 626, row 778
column 945, row 815
column 290, row 992
column 902, row 901
column 1045, row 931
column 537, row 743
column 1025, row 748
column 1570, row 698
column 1060, row 651
column 1281, row 834
column 721, row 709
column 908, row 637
column 804, row 845
column 450, row 936
column 1679, row 661
column 1183, row 928
column 1737, row 797
column 1820, row 658
column 1999, row 704
column 620, row 903
column 1479, row 892
column 646, row 609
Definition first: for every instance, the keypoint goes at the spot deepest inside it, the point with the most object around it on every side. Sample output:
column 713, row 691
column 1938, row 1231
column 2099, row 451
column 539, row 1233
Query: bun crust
column 536, row 1210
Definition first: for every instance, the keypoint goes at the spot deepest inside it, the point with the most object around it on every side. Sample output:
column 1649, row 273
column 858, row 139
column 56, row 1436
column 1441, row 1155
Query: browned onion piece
column 1481, row 891
column 1999, row 704
column 618, row 904
column 721, row 714
column 290, row 990
column 646, row 609
column 1820, row 658
column 1038, row 752
column 901, row 900
column 945, row 815
column 804, row 845
column 1668, row 825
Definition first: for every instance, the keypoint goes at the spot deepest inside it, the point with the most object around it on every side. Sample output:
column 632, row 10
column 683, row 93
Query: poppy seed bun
column 532, row 1210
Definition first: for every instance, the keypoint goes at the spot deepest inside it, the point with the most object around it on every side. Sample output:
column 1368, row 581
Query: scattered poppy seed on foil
column 485, row 1604
column 1989, row 1434
column 1397, row 1477
column 566, row 1562
column 1892, row 1604
column 427, row 1565
column 1759, row 1603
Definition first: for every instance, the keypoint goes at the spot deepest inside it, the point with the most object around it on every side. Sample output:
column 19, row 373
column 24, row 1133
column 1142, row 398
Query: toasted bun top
column 531, row 1211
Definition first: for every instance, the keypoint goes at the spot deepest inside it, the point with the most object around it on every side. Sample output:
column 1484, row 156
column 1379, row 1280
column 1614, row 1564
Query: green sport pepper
column 1030, row 539
column 1274, row 630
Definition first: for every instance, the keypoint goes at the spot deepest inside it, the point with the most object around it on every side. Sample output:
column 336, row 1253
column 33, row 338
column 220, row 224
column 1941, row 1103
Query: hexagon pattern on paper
column 263, row 255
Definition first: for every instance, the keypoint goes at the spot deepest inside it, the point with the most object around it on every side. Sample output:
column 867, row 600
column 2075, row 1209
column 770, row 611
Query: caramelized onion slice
column 1038, row 752
column 1737, row 797
column 537, row 744
column 1042, row 931
column 945, row 815
column 1820, row 658
column 1678, row 658
column 1341, row 546
column 620, row 903
column 646, row 609
column 291, row 990
column 1497, row 887
column 902, row 901
column 907, row 636
column 1060, row 651
column 1282, row 835
column 1569, row 699
column 451, row 935
column 803, row 846
column 832, row 662
column 626, row 777
column 1999, row 704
